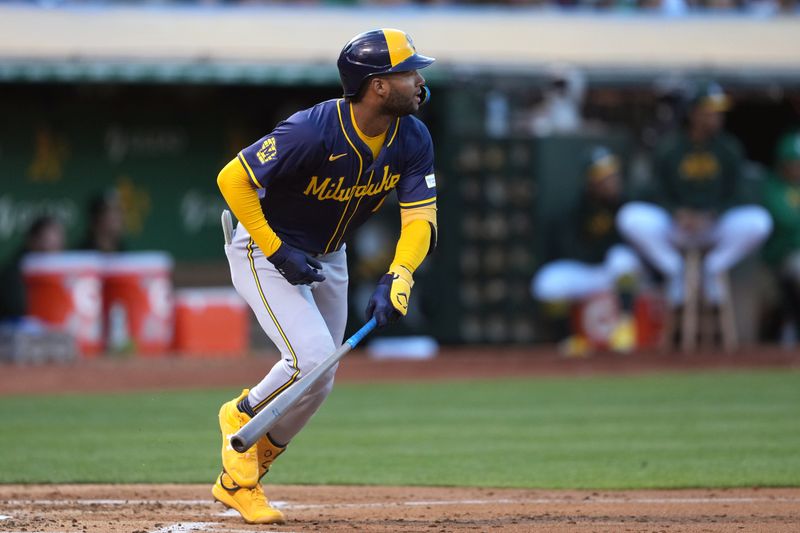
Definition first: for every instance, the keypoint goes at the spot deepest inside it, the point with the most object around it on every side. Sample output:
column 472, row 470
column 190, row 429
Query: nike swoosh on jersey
column 335, row 157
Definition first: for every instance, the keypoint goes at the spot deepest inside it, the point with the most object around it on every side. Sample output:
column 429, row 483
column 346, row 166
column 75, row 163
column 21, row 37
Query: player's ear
column 380, row 86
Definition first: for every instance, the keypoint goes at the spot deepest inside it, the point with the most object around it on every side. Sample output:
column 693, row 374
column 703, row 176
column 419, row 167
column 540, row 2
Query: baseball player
column 588, row 257
column 782, row 251
column 698, row 170
column 299, row 192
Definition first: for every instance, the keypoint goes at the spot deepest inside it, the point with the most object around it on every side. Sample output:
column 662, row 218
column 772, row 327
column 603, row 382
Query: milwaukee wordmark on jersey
column 318, row 180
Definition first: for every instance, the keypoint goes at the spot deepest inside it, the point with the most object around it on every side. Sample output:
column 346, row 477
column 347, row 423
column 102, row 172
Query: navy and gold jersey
column 318, row 181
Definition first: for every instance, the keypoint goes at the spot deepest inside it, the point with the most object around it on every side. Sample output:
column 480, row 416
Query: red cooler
column 211, row 321
column 138, row 302
column 64, row 290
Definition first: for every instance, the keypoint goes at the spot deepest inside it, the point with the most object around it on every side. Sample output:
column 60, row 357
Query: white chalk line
column 105, row 502
column 184, row 527
column 537, row 501
column 187, row 527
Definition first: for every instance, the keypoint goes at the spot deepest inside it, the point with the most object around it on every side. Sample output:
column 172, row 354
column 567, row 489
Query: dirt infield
column 184, row 508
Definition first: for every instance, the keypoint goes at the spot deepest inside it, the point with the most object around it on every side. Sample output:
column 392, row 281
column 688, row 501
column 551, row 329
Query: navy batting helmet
column 377, row 52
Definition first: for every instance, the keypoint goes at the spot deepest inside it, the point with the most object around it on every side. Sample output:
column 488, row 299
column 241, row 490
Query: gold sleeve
column 242, row 198
column 417, row 239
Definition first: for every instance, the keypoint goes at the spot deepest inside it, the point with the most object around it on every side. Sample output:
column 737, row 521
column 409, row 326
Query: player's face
column 50, row 239
column 405, row 94
column 607, row 188
column 707, row 121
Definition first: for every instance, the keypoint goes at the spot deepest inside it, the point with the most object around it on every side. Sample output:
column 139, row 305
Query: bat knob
column 238, row 444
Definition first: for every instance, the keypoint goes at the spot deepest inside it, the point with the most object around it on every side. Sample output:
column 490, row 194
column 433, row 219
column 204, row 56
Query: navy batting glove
column 296, row 266
column 380, row 306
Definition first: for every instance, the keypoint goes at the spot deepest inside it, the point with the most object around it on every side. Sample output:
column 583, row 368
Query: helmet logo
column 410, row 43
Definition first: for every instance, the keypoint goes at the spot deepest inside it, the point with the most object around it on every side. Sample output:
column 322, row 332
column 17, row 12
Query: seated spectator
column 45, row 234
column 106, row 224
column 782, row 251
column 587, row 257
column 696, row 202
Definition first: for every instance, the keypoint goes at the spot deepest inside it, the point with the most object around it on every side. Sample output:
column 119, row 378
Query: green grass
column 702, row 430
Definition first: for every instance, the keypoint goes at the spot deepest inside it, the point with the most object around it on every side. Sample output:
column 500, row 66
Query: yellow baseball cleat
column 242, row 467
column 252, row 504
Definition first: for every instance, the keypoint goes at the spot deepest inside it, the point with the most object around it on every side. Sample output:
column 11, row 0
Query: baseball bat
column 269, row 415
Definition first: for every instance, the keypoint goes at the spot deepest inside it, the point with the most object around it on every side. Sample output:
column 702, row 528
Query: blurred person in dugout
column 696, row 201
column 105, row 230
column 45, row 234
column 559, row 111
column 587, row 258
column 781, row 196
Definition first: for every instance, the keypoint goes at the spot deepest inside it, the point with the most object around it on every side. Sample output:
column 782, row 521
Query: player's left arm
column 417, row 241
column 417, row 194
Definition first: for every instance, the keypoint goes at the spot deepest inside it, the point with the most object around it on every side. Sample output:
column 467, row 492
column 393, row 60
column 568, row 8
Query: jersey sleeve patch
column 430, row 181
column 268, row 151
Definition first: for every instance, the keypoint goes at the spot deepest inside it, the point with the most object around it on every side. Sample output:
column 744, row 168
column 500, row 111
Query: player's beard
column 399, row 106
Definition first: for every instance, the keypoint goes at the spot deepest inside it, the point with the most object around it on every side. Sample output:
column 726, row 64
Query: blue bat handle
column 359, row 335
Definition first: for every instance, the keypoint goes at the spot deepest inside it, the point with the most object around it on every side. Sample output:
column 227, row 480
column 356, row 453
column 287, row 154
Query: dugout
column 94, row 106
